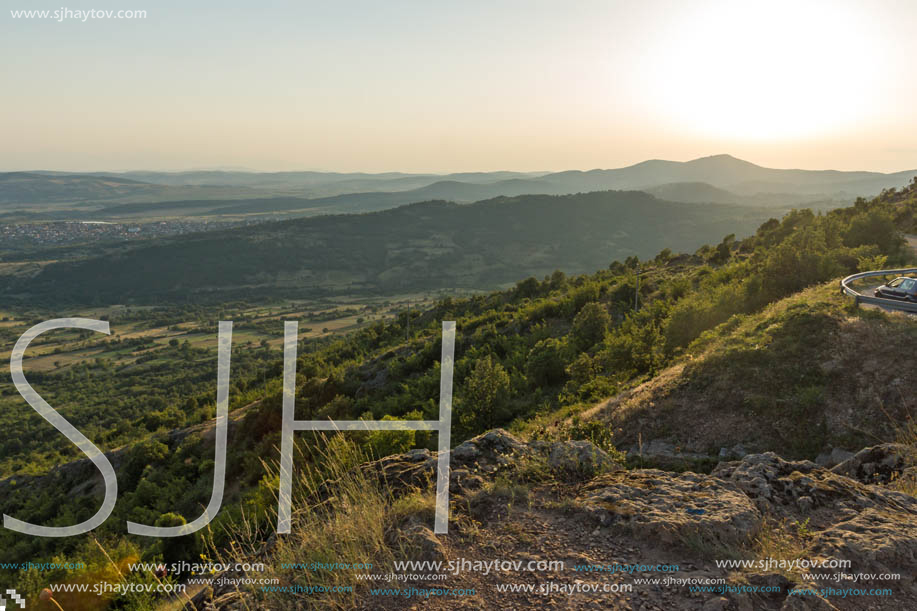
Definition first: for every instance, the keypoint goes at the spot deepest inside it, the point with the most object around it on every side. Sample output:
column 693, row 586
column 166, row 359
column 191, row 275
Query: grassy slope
column 806, row 374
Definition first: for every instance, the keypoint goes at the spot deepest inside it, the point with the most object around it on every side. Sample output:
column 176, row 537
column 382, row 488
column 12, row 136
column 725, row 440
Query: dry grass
column 784, row 542
column 352, row 526
column 907, row 481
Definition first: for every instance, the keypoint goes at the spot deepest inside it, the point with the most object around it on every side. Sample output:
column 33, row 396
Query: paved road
column 869, row 288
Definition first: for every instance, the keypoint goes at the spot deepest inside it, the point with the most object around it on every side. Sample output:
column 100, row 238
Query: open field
column 261, row 325
column 157, row 369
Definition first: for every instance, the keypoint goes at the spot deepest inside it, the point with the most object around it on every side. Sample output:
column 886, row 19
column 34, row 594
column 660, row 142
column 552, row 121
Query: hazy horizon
column 420, row 88
column 432, row 173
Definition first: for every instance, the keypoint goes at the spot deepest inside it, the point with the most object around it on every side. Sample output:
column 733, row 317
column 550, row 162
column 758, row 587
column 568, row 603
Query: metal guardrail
column 892, row 304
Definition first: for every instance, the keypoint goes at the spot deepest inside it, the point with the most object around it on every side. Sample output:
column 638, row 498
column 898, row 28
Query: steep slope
column 805, row 376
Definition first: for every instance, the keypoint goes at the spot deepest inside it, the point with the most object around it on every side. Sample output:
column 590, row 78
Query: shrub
column 590, row 325
column 485, row 396
column 545, row 363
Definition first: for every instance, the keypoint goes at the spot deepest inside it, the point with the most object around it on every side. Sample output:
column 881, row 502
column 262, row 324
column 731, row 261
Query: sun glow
column 767, row 70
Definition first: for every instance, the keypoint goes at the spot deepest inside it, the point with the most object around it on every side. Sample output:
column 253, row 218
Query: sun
column 769, row 70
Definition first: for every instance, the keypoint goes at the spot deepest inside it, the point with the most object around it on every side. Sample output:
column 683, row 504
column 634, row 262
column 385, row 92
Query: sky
column 458, row 86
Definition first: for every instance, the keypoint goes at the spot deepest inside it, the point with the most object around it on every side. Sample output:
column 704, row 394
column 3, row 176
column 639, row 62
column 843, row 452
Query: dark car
column 899, row 288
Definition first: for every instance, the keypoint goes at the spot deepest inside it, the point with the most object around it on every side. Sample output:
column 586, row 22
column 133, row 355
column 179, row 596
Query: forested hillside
column 529, row 358
column 417, row 247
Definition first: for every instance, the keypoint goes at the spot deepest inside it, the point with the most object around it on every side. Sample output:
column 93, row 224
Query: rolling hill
column 26, row 190
column 416, row 247
column 138, row 195
column 721, row 171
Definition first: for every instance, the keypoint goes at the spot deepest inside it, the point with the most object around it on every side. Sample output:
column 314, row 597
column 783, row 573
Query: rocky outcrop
column 833, row 458
column 579, row 459
column 872, row 527
column 673, row 508
column 488, row 454
column 839, row 514
column 662, row 453
column 879, row 464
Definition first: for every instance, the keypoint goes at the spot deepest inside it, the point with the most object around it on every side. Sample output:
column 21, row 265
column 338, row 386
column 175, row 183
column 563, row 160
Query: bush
column 177, row 549
column 386, row 443
column 590, row 325
column 485, row 396
column 545, row 363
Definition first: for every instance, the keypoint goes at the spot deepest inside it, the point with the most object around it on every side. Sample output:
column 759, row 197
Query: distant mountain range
column 423, row 246
column 720, row 171
column 25, row 189
column 717, row 179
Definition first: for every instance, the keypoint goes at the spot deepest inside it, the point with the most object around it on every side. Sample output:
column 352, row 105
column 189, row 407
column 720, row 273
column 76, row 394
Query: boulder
column 686, row 509
column 835, row 457
column 490, row 451
column 580, row 459
column 878, row 464
column 663, row 453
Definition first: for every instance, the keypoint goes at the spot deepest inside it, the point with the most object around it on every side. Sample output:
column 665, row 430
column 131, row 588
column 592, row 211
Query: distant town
column 59, row 233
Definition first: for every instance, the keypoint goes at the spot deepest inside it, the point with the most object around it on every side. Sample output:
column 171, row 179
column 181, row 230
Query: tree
column 527, row 288
column 874, row 227
column 485, row 396
column 545, row 363
column 724, row 250
column 590, row 325
column 177, row 549
column 665, row 255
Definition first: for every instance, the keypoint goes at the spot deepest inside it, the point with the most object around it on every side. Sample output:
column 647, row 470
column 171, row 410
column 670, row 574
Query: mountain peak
column 724, row 160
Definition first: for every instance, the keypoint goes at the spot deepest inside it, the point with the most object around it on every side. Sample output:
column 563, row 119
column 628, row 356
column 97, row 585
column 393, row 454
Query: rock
column 716, row 604
column 580, row 459
column 878, row 464
column 489, row 451
column 664, row 453
column 809, row 602
column 735, row 452
column 421, row 544
column 805, row 504
column 465, row 480
column 832, row 458
column 776, row 486
column 673, row 508
column 877, row 540
column 406, row 470
column 873, row 527
column 776, row 584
